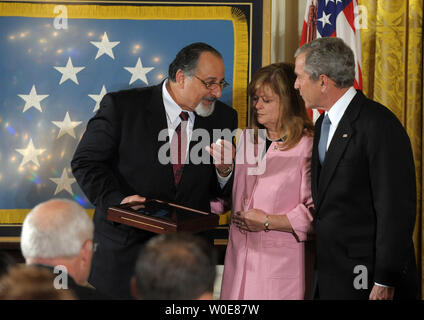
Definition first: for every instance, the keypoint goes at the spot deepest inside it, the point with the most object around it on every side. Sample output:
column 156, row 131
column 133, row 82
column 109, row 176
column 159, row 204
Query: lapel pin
column 345, row 135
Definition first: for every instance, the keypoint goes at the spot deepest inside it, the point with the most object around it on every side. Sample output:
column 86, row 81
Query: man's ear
column 323, row 79
column 86, row 250
column 133, row 287
column 180, row 78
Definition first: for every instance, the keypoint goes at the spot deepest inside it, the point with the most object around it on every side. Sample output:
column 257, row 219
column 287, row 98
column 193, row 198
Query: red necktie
column 178, row 147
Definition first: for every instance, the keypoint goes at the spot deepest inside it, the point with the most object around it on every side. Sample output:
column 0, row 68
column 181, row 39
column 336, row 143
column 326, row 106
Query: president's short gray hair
column 58, row 231
column 330, row 56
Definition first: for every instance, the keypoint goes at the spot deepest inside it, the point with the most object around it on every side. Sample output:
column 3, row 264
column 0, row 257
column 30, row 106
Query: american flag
column 334, row 18
column 52, row 81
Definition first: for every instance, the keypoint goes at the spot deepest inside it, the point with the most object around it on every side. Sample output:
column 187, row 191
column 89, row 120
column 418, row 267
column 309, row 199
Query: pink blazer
column 270, row 265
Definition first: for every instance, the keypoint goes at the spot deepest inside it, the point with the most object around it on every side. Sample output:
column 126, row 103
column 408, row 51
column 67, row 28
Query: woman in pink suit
column 266, row 256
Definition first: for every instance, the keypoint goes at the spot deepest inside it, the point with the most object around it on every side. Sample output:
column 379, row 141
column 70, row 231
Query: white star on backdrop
column 98, row 98
column 327, row 1
column 105, row 46
column 325, row 19
column 63, row 183
column 30, row 154
column 33, row 99
column 66, row 126
column 69, row 72
column 139, row 72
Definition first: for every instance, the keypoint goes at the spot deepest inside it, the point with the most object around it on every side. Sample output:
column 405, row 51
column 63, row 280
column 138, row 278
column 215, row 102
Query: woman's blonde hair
column 294, row 121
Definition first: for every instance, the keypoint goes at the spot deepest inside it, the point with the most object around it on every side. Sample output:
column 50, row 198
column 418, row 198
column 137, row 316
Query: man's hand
column 133, row 198
column 223, row 153
column 382, row 293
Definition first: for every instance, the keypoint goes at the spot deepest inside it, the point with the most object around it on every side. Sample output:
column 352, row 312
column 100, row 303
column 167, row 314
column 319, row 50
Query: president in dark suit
column 363, row 183
column 122, row 156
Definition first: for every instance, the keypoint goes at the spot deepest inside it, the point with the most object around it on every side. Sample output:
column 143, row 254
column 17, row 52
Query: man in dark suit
column 58, row 235
column 120, row 158
column 363, row 183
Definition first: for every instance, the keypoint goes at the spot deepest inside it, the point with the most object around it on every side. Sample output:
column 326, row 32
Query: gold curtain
column 392, row 66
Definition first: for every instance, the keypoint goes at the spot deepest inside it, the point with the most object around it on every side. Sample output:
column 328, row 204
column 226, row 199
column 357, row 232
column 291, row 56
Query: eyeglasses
column 213, row 85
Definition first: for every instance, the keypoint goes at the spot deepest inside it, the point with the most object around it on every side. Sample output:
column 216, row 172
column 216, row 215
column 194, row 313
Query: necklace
column 283, row 138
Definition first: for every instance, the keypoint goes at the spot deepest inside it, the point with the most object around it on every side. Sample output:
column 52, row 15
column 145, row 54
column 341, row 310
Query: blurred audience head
column 24, row 282
column 6, row 261
column 175, row 267
column 59, row 232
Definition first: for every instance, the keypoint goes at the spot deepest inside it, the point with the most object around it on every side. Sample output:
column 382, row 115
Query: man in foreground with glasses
column 58, row 235
column 119, row 158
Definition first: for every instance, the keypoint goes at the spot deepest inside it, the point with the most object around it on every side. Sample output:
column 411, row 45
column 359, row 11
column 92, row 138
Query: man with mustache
column 118, row 159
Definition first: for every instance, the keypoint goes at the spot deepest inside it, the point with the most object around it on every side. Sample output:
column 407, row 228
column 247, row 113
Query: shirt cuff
column 223, row 180
column 382, row 285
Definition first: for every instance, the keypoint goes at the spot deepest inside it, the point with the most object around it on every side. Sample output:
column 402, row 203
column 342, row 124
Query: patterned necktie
column 178, row 147
column 322, row 145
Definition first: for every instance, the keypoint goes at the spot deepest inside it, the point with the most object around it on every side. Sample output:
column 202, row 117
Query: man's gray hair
column 187, row 58
column 59, row 230
column 330, row 56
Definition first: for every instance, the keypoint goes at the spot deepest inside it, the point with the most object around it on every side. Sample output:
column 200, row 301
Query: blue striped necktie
column 322, row 145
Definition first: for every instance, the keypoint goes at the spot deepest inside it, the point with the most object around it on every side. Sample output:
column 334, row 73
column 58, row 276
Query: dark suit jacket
column 80, row 292
column 118, row 157
column 365, row 202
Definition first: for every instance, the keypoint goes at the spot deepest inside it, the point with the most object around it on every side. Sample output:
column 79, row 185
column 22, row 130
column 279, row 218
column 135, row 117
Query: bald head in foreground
column 58, row 235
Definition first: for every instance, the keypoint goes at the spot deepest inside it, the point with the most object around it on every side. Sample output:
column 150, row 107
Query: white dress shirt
column 173, row 110
column 337, row 111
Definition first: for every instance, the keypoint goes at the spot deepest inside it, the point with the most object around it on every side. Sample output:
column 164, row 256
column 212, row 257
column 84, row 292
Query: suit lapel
column 156, row 122
column 337, row 147
column 334, row 153
column 316, row 166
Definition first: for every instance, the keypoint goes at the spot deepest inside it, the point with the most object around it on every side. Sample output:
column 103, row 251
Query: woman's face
column 267, row 106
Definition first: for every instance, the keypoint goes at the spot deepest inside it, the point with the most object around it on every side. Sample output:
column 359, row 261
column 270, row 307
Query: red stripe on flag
column 304, row 33
column 359, row 85
column 350, row 15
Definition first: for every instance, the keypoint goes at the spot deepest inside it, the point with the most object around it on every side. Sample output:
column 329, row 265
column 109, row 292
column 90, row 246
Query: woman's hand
column 251, row 220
